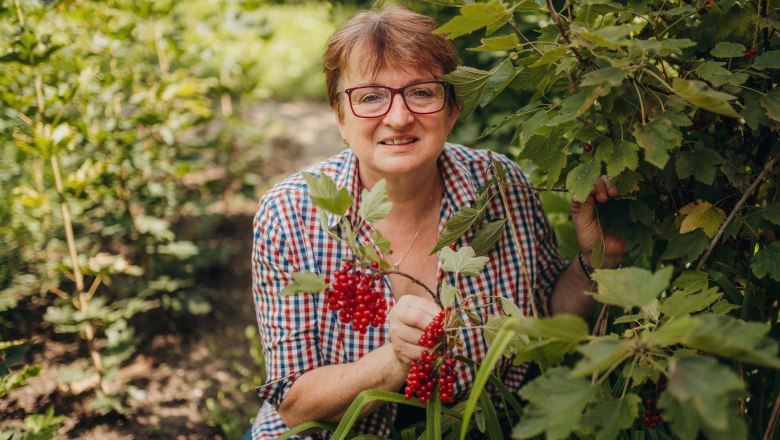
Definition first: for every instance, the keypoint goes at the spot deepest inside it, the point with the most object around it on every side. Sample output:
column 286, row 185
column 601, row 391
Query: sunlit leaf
column 580, row 180
column 323, row 193
column 700, row 94
column 701, row 215
column 491, row 15
column 464, row 261
column 658, row 138
column 630, row 287
column 374, row 204
column 304, row 282
column 487, row 236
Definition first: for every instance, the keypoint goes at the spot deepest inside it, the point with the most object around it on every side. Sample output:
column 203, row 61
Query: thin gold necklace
column 416, row 234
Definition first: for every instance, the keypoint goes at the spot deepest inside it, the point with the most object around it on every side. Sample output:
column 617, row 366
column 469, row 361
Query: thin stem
column 534, row 188
column 641, row 102
column 57, row 291
column 414, row 281
column 628, row 378
column 557, row 19
column 516, row 240
column 522, row 35
column 19, row 13
column 736, row 209
column 651, row 73
column 602, row 316
column 770, row 428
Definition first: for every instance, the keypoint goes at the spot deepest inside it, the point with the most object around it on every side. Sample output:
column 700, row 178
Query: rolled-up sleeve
column 287, row 324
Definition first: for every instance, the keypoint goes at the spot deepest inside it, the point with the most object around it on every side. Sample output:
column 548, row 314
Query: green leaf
column 687, row 247
column 304, row 282
column 606, row 36
column 448, row 294
column 701, row 163
column 612, row 416
column 771, row 102
column 630, row 287
column 555, row 404
column 550, row 57
column 701, row 214
column 597, row 254
column 611, row 76
column 381, row 242
column 691, row 281
column 464, row 261
column 492, row 425
column 680, row 303
column 714, row 72
column 304, row 427
column 15, row 380
column 477, row 87
column 374, row 204
column 599, row 355
column 461, row 222
column 496, row 44
column 618, row 156
column 772, row 213
column 577, row 104
column 706, row 385
column 580, row 180
column 323, row 193
column 682, row 417
column 658, row 138
column 768, row 60
column 726, row 49
column 509, row 307
column 700, row 94
column 734, row 338
column 673, row 332
column 487, row 236
column 474, row 16
column 11, row 353
column 433, row 417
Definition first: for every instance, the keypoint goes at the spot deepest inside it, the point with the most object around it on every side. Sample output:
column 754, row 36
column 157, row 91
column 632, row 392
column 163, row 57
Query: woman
column 382, row 71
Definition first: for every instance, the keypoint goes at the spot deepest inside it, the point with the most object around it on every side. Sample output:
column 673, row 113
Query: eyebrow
column 414, row 81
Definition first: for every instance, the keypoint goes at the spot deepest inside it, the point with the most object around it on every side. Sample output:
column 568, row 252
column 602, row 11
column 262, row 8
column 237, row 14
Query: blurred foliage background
column 135, row 138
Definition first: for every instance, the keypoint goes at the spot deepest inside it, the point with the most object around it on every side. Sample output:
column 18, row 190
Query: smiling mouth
column 398, row 141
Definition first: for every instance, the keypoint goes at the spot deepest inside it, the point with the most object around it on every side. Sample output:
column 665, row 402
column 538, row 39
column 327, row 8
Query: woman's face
column 400, row 142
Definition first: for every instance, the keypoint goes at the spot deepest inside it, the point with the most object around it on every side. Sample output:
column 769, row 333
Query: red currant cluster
column 357, row 294
column 750, row 53
column 652, row 413
column 435, row 368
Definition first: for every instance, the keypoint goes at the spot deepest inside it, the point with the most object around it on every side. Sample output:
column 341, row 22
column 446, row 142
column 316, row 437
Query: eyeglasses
column 375, row 101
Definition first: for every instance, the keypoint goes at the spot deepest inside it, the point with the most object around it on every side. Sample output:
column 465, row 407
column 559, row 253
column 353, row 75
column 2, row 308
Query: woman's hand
column 588, row 228
column 408, row 319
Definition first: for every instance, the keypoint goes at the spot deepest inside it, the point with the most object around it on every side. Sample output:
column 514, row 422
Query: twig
column 597, row 326
column 57, row 291
column 772, row 420
column 415, row 281
column 522, row 35
column 557, row 19
column 516, row 240
column 736, row 209
column 534, row 188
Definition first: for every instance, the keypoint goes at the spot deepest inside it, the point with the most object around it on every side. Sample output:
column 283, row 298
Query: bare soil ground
column 183, row 361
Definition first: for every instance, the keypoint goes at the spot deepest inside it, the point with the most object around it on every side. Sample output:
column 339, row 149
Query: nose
column 399, row 115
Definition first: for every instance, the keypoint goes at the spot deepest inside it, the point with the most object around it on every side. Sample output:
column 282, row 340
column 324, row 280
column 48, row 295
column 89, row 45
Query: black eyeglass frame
column 399, row 91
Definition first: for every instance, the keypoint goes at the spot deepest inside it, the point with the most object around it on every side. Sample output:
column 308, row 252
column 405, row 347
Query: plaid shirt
column 298, row 334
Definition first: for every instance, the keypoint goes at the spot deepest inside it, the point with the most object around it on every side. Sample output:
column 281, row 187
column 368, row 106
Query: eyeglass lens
column 371, row 101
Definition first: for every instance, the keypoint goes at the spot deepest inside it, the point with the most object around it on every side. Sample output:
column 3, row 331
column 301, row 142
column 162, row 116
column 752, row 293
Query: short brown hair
column 394, row 35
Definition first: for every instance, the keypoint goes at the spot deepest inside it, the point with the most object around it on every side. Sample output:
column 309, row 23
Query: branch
column 772, row 420
column 557, row 19
column 516, row 240
column 533, row 188
column 736, row 209
column 415, row 281
column 522, row 35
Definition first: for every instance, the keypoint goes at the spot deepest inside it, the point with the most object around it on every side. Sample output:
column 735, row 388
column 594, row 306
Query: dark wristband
column 588, row 271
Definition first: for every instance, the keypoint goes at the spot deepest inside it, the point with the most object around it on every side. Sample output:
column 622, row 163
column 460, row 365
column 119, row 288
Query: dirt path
column 184, row 362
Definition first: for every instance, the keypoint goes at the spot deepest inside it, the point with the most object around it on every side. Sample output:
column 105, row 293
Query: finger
column 400, row 331
column 612, row 190
column 407, row 352
column 600, row 189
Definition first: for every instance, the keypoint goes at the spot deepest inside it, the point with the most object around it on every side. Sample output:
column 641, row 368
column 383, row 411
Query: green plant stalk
column 770, row 428
column 89, row 331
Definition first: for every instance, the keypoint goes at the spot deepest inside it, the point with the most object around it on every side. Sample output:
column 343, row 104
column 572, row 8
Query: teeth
column 398, row 141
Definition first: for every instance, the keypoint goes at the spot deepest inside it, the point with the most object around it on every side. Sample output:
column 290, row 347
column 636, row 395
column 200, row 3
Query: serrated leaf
column 701, row 214
column 630, row 287
column 381, row 242
column 474, row 86
column 726, row 49
column 504, row 42
column 487, row 236
column 510, row 308
column 323, row 193
column 599, row 355
column 700, row 94
column 612, row 415
column 580, row 180
column 714, row 72
column 680, row 303
column 374, row 204
column 772, row 213
column 597, row 253
column 555, row 404
column 449, row 294
column 577, row 104
column 612, row 76
column 702, row 163
column 691, row 281
column 618, row 156
column 461, row 222
column 767, row 262
column 771, row 102
column 550, row 57
column 688, row 246
column 605, row 36
column 464, row 261
column 658, row 138
column 735, row 339
column 474, row 16
column 304, row 282
column 706, row 385
column 768, row 60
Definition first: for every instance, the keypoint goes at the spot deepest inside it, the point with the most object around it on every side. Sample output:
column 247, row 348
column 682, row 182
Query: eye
column 369, row 98
column 421, row 92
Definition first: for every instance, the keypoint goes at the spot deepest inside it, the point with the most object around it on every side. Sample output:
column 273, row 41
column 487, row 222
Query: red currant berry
column 587, row 147
column 750, row 53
